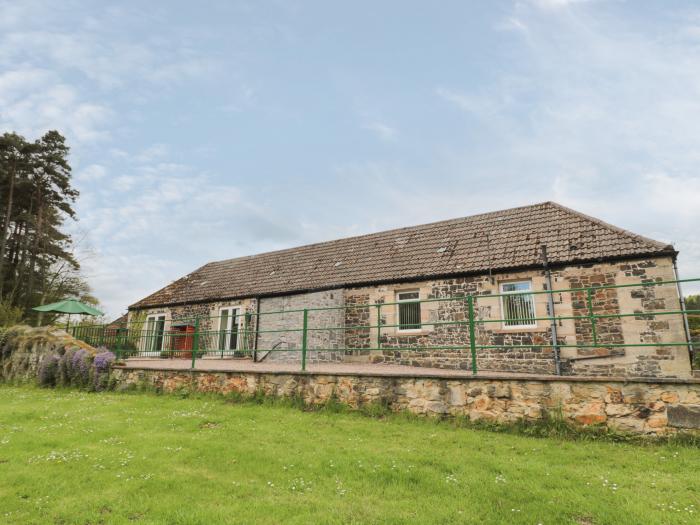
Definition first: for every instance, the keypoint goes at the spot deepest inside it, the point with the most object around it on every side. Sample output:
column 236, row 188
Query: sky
column 202, row 131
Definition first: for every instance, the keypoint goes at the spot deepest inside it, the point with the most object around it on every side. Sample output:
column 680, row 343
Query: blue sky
column 209, row 130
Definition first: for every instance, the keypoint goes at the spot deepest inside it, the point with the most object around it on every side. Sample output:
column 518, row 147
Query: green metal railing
column 202, row 337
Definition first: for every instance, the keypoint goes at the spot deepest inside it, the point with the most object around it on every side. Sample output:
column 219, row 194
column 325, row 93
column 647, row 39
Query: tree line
column 37, row 260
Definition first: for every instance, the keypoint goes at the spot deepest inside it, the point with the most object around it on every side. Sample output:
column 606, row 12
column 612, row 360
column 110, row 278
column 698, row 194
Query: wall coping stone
column 447, row 374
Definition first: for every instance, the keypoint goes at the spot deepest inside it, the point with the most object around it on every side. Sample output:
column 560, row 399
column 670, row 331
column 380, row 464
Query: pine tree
column 37, row 263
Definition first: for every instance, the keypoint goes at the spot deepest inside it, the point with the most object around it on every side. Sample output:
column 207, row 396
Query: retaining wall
column 639, row 406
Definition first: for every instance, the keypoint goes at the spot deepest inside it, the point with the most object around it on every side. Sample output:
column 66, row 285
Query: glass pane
column 150, row 325
column 404, row 296
column 160, row 328
column 223, row 327
column 518, row 310
column 409, row 316
column 233, row 333
column 515, row 287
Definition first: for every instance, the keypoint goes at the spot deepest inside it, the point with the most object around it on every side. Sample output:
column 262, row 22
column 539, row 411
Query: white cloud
column 153, row 152
column 558, row 4
column 601, row 115
column 91, row 173
column 110, row 62
column 34, row 100
column 382, row 131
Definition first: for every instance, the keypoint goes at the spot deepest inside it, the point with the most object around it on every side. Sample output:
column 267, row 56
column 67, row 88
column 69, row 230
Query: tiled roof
column 500, row 240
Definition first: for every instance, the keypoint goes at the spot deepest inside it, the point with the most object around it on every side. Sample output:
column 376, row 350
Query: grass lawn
column 70, row 457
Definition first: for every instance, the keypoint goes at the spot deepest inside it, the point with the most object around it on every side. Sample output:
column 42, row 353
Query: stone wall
column 644, row 407
column 443, row 339
column 281, row 336
column 529, row 349
column 209, row 315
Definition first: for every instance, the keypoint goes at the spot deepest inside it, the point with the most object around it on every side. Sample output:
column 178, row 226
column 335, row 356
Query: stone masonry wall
column 446, row 345
column 357, row 317
column 443, row 339
column 517, row 349
column 209, row 315
column 642, row 407
column 280, row 333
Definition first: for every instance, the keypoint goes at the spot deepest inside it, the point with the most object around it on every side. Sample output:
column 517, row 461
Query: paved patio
column 370, row 370
column 362, row 369
column 246, row 365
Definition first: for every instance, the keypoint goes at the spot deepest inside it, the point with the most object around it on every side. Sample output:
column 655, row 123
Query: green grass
column 70, row 457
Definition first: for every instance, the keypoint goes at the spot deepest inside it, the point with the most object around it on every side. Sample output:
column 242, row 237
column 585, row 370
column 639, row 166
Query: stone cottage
column 399, row 297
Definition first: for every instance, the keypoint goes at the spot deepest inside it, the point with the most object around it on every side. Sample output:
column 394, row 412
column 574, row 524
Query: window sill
column 519, row 329
column 409, row 333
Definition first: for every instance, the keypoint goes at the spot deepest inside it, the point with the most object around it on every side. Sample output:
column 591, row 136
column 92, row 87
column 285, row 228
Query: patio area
column 345, row 369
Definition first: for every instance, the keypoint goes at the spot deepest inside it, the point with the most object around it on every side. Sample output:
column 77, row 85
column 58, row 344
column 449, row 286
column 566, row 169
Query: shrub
column 63, row 374
column 81, row 365
column 101, row 365
column 48, row 370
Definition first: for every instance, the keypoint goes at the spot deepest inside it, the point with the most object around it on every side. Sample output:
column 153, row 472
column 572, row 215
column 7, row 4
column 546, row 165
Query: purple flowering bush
column 76, row 367
column 47, row 371
column 63, row 374
column 101, row 365
column 81, row 367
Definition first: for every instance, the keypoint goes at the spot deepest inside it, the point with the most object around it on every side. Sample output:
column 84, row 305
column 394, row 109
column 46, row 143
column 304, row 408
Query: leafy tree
column 37, row 261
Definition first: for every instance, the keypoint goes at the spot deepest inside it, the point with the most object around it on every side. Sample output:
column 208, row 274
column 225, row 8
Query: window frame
column 530, row 297
column 150, row 342
column 239, row 317
column 399, row 301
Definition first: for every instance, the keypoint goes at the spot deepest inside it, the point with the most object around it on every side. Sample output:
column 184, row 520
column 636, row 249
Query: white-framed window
column 517, row 308
column 230, row 322
column 154, row 330
column 408, row 311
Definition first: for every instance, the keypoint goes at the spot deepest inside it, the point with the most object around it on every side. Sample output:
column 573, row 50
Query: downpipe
column 686, row 325
column 550, row 302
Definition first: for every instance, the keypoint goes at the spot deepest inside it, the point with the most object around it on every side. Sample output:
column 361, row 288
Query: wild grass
column 73, row 457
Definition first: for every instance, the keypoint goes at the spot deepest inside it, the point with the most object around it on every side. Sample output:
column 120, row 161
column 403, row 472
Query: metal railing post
column 472, row 331
column 117, row 348
column 195, row 341
column 379, row 326
column 684, row 315
column 244, row 344
column 304, row 333
column 591, row 317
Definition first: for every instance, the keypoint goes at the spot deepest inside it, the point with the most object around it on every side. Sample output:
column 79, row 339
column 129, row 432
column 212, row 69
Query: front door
column 153, row 335
column 229, row 321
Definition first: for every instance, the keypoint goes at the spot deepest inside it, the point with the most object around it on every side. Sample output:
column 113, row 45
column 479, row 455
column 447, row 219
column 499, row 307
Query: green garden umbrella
column 70, row 307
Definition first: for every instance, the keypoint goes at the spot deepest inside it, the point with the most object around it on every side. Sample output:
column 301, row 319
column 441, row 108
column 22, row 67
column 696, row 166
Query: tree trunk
column 6, row 225
column 33, row 256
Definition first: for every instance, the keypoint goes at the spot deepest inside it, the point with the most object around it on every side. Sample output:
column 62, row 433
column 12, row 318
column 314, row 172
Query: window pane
column 515, row 287
column 404, row 296
column 409, row 316
column 223, row 326
column 150, row 325
column 233, row 332
column 518, row 310
column 160, row 328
